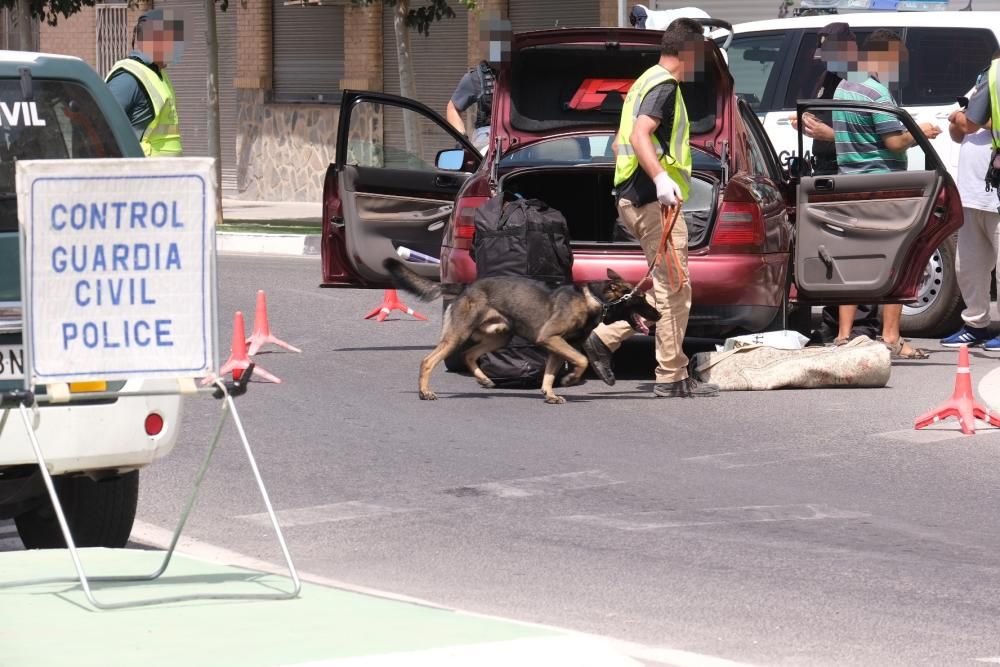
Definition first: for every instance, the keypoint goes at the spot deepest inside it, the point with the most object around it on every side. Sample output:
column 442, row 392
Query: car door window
column 394, row 137
column 944, row 63
column 754, row 62
column 764, row 162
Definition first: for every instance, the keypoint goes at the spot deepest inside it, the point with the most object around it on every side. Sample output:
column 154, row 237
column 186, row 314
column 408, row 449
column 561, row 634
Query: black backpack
column 520, row 237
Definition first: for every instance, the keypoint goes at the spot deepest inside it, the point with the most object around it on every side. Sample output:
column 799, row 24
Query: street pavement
column 773, row 528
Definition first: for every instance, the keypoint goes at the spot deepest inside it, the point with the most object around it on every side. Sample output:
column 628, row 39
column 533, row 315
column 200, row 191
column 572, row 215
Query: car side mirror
column 451, row 159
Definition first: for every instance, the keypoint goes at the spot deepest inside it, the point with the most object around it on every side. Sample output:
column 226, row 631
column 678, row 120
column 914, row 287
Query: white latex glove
column 667, row 192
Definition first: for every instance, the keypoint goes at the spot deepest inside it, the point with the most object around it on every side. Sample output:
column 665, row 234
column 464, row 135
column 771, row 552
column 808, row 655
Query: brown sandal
column 896, row 350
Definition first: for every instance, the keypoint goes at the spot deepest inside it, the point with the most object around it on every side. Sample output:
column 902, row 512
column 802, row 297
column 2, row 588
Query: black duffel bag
column 521, row 237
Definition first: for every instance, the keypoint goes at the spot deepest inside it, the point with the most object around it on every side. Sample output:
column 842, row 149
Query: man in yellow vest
column 141, row 85
column 982, row 111
column 653, row 170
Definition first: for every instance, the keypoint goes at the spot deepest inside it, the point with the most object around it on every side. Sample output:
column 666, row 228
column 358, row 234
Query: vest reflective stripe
column 676, row 160
column 162, row 136
column 995, row 102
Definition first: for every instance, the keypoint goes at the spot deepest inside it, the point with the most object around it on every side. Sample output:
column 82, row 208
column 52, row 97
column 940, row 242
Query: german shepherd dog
column 491, row 310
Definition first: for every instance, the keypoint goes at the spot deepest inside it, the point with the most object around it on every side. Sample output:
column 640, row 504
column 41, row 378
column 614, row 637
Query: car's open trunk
column 583, row 195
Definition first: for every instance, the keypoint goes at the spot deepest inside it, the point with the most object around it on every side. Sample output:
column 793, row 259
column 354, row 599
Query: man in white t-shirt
column 979, row 237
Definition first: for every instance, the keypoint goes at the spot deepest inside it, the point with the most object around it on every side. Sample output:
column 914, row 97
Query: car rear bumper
column 86, row 437
column 729, row 291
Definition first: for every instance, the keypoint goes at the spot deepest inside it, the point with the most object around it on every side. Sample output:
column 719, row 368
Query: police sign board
column 118, row 268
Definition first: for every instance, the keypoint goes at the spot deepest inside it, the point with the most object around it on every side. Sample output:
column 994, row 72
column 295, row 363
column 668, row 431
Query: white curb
column 230, row 243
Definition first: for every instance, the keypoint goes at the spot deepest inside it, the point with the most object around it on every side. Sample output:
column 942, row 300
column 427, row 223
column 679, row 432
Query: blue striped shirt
column 860, row 147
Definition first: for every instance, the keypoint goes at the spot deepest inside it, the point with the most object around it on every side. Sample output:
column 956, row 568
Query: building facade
column 284, row 63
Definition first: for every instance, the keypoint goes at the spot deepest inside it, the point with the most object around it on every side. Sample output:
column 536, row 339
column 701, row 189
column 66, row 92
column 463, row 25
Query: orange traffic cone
column 962, row 403
column 239, row 360
column 390, row 303
column 262, row 329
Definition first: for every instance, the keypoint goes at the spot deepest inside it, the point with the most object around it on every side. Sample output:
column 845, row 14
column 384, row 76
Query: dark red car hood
column 539, row 92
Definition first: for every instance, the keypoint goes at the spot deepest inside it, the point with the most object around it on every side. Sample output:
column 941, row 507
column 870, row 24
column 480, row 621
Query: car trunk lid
column 573, row 80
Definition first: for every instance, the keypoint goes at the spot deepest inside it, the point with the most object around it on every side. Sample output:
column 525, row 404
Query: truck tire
column 939, row 308
column 100, row 514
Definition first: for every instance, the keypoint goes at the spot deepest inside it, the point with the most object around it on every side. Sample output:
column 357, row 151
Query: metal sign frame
column 25, row 401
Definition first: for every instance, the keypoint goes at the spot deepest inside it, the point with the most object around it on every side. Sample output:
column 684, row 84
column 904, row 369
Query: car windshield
column 58, row 119
column 752, row 63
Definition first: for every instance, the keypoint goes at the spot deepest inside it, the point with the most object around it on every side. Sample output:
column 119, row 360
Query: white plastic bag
column 781, row 340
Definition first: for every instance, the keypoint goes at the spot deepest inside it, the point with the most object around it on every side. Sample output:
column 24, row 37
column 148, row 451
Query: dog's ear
column 613, row 275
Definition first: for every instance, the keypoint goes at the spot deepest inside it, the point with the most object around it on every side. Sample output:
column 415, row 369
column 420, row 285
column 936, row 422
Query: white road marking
column 745, row 458
column 154, row 536
column 308, row 516
column 576, row 650
column 938, row 432
column 994, row 660
column 715, row 516
column 545, row 485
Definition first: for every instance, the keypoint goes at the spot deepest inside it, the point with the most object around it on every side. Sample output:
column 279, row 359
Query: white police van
column 773, row 65
column 58, row 107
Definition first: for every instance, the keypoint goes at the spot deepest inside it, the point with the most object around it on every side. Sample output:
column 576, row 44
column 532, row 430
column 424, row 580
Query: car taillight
column 154, row 424
column 465, row 220
column 739, row 227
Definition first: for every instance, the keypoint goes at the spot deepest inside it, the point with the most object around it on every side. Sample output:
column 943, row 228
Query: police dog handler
column 653, row 170
column 477, row 86
column 142, row 87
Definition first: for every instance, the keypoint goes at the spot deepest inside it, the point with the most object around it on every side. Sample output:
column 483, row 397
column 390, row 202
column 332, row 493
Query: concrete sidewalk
column 272, row 214
column 52, row 624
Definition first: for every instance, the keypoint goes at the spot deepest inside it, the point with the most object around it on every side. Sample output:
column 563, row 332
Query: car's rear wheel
column 99, row 513
column 938, row 311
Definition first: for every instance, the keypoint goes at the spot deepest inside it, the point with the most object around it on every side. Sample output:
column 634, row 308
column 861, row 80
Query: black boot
column 686, row 388
column 600, row 358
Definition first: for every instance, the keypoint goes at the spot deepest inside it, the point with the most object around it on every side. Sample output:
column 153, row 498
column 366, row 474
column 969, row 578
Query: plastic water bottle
column 414, row 256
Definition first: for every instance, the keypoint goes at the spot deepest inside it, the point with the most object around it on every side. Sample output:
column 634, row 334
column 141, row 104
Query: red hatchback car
column 758, row 239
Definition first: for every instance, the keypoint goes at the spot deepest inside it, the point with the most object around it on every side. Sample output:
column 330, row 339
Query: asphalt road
column 780, row 528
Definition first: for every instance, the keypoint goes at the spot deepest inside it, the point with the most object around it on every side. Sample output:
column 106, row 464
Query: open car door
column 386, row 189
column 866, row 237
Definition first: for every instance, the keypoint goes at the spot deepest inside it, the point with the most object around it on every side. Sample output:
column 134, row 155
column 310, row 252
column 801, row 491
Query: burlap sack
column 860, row 363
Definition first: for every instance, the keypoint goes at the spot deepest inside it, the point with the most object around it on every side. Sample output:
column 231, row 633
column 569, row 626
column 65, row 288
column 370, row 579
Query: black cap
column 839, row 30
column 637, row 17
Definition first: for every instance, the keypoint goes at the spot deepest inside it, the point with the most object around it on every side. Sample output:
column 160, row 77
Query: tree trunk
column 214, row 140
column 22, row 17
column 407, row 81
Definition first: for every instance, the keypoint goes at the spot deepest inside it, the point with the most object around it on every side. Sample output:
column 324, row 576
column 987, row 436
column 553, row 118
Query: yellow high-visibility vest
column 162, row 136
column 995, row 101
column 676, row 160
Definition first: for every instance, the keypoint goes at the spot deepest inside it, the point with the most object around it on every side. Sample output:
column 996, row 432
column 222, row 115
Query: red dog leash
column 666, row 250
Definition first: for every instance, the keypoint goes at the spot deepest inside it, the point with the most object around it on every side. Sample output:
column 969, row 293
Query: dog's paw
column 486, row 383
column 428, row 396
column 555, row 400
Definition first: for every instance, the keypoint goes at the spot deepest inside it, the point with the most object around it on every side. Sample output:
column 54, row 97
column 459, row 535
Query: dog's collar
column 606, row 306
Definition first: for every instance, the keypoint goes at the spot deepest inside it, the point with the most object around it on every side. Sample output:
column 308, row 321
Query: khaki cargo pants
column 646, row 224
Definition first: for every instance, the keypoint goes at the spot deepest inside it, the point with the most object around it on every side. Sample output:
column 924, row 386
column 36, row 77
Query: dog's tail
column 406, row 279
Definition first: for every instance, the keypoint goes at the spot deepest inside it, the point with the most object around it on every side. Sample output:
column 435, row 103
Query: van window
column 808, row 69
column 752, row 62
column 944, row 63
